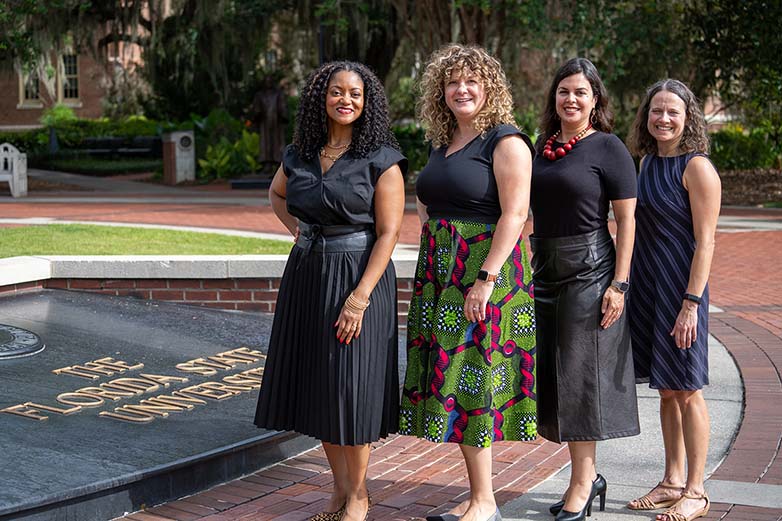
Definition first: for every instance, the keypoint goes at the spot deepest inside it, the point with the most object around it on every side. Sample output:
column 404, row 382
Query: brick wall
column 258, row 294
column 91, row 91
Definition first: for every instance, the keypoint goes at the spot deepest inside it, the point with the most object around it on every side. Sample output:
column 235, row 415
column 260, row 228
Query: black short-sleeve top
column 462, row 185
column 344, row 194
column 570, row 195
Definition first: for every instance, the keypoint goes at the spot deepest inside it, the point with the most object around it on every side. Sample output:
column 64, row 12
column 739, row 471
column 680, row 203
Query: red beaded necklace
column 562, row 151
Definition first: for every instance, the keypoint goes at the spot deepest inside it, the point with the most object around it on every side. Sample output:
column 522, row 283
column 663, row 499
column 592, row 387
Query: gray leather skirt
column 585, row 378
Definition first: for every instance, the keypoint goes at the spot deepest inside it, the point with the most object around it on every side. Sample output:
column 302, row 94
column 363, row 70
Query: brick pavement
column 409, row 477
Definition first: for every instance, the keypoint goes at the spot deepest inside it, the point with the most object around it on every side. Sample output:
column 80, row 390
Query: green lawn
column 80, row 239
column 775, row 204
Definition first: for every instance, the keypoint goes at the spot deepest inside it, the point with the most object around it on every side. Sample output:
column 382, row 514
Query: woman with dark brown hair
column 678, row 208
column 586, row 388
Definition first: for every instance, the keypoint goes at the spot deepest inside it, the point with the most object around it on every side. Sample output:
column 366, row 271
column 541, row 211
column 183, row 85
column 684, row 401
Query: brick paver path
column 408, row 477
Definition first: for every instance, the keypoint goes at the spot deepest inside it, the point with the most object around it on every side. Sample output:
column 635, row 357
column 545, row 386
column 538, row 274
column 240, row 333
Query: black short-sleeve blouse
column 462, row 185
column 344, row 194
column 570, row 196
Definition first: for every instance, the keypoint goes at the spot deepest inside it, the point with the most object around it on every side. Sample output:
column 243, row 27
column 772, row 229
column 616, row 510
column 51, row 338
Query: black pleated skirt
column 312, row 383
column 586, row 383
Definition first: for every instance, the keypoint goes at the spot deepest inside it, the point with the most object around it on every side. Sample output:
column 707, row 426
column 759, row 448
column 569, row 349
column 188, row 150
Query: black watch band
column 620, row 285
column 693, row 298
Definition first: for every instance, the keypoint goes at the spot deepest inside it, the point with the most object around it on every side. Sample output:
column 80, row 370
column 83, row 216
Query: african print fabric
column 471, row 383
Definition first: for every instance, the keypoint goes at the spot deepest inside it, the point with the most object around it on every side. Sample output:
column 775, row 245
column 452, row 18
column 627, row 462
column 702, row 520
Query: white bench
column 13, row 169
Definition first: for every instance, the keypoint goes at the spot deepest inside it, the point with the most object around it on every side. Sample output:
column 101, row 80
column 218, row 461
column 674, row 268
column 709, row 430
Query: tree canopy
column 200, row 54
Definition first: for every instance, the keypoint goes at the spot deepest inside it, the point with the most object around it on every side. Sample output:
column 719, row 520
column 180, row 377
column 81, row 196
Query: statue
column 270, row 115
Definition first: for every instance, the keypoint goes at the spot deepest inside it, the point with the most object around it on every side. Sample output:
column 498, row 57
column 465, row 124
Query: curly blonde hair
column 436, row 117
column 694, row 138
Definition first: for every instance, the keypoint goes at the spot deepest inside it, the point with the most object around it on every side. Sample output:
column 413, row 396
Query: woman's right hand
column 685, row 330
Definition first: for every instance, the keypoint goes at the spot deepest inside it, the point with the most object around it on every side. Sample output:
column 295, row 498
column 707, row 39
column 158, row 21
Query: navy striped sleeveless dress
column 664, row 247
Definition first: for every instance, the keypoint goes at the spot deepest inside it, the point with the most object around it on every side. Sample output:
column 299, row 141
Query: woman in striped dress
column 678, row 207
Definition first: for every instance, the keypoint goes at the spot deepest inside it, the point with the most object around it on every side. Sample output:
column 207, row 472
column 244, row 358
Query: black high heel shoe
column 599, row 488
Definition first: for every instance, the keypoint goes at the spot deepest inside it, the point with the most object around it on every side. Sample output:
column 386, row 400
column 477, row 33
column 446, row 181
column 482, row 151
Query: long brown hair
column 694, row 138
column 603, row 118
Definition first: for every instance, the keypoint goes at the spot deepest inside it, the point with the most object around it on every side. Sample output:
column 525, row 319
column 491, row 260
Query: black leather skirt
column 585, row 378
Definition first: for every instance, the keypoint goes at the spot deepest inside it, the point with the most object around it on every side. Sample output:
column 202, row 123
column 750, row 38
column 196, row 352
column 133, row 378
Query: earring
column 593, row 117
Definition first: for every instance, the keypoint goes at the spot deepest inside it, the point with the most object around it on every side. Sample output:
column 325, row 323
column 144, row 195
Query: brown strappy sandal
column 645, row 502
column 673, row 515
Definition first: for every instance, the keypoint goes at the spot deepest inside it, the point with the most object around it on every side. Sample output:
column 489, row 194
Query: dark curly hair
column 694, row 138
column 370, row 131
column 603, row 117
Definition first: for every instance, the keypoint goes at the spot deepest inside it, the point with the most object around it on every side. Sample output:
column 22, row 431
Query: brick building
column 78, row 82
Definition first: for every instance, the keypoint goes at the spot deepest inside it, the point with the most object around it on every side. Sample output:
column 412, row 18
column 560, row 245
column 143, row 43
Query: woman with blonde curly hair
column 471, row 330
column 678, row 207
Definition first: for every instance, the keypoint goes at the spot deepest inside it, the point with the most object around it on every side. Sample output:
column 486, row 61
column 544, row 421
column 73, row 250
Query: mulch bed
column 751, row 187
column 39, row 185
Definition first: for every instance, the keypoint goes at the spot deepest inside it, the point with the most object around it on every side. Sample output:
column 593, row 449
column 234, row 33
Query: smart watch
column 620, row 285
column 693, row 298
column 486, row 276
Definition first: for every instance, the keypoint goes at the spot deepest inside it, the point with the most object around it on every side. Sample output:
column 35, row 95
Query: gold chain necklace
column 338, row 147
column 333, row 157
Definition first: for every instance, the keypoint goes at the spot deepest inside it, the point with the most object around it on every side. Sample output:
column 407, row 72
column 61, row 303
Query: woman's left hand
column 476, row 300
column 613, row 305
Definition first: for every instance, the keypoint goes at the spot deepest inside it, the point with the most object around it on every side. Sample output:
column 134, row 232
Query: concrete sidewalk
column 409, row 478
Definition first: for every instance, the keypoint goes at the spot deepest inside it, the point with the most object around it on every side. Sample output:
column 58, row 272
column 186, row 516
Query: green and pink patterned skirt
column 471, row 383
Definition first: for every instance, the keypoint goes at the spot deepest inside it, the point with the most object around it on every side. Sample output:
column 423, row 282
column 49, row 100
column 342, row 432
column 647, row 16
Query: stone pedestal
column 178, row 157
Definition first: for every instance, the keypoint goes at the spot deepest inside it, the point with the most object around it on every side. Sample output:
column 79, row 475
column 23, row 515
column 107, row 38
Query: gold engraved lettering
column 158, row 410
column 258, row 371
column 126, row 388
column 103, row 366
column 226, row 360
column 192, row 367
column 235, row 379
column 141, row 384
column 206, row 392
column 128, row 416
column 248, row 352
column 163, row 379
column 118, row 366
column 179, row 397
column 95, row 369
column 85, row 400
column 179, row 401
column 26, row 411
column 100, row 392
column 209, row 363
column 236, row 389
column 72, row 371
column 49, row 408
column 236, row 357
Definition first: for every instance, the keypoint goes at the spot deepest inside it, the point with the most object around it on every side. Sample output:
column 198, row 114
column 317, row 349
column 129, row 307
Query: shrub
column 414, row 147
column 58, row 113
column 31, row 142
column 734, row 149
column 225, row 159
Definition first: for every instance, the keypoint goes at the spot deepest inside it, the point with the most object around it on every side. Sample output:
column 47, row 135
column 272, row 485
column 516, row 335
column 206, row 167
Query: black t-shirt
column 462, row 185
column 570, row 196
column 344, row 194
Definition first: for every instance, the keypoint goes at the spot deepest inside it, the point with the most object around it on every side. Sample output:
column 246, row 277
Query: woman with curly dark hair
column 678, row 207
column 331, row 371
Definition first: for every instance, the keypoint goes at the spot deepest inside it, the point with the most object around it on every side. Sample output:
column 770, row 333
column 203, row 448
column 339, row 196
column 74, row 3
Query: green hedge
column 734, row 149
